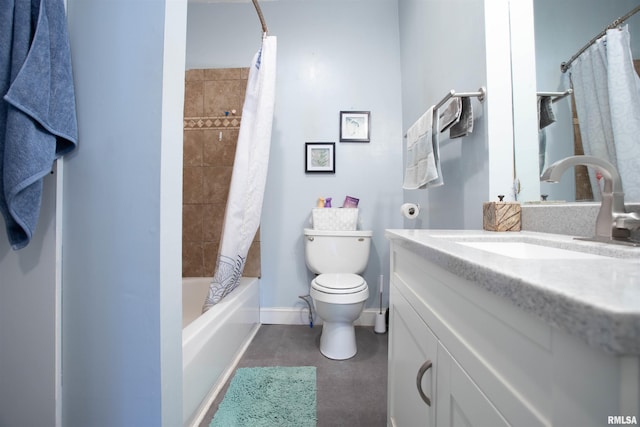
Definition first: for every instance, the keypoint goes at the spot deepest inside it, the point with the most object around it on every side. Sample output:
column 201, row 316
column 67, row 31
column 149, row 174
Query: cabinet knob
column 423, row 369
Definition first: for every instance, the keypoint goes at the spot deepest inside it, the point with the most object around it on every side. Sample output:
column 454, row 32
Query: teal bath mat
column 269, row 397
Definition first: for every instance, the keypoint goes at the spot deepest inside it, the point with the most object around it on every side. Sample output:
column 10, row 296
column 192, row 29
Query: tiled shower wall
column 212, row 115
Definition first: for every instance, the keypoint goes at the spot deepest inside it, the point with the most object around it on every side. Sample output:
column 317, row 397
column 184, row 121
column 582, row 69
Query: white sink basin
column 525, row 250
column 532, row 245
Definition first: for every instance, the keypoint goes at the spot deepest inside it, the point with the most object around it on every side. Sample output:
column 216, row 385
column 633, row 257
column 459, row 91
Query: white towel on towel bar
column 421, row 166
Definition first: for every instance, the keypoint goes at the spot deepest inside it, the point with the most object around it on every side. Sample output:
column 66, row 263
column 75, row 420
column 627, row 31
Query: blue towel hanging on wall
column 37, row 111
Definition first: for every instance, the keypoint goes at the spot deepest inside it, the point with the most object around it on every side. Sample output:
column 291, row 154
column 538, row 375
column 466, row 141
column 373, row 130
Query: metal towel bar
column 480, row 94
column 557, row 96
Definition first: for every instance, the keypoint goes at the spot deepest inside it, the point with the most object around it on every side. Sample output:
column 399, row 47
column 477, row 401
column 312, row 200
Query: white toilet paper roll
column 410, row 210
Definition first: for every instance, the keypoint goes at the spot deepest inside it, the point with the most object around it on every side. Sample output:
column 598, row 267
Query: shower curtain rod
column 265, row 30
column 566, row 65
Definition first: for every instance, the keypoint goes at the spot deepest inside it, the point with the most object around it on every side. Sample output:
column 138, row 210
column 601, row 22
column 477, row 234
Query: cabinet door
column 460, row 402
column 412, row 361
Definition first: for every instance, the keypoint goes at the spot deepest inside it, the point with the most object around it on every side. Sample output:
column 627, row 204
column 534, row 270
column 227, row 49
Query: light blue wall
column 332, row 56
column 435, row 59
column 121, row 327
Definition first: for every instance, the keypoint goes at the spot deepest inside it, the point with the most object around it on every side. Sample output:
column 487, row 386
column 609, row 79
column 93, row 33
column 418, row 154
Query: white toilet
column 338, row 292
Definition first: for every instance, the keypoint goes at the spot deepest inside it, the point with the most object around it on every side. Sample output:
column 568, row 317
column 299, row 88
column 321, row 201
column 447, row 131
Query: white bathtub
column 213, row 342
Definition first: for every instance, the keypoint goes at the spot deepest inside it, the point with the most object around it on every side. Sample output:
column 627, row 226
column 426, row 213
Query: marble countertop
column 595, row 298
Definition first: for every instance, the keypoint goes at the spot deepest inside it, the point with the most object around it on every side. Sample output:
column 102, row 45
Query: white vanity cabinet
column 413, row 352
column 460, row 400
column 489, row 362
column 418, row 361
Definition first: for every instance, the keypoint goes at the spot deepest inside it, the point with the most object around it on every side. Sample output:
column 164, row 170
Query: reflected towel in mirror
column 546, row 115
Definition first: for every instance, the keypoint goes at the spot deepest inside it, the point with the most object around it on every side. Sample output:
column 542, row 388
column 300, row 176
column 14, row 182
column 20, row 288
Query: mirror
column 561, row 30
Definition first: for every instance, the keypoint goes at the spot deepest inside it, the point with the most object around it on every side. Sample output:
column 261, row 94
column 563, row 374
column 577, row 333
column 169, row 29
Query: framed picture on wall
column 320, row 157
column 354, row 126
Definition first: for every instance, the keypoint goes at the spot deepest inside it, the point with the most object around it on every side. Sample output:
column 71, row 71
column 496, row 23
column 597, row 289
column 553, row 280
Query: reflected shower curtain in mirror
column 607, row 94
column 244, row 204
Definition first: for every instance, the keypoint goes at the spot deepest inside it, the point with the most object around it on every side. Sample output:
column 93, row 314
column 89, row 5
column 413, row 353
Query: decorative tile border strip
column 222, row 122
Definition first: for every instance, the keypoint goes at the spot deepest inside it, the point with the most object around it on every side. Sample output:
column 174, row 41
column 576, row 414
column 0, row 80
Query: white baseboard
column 297, row 316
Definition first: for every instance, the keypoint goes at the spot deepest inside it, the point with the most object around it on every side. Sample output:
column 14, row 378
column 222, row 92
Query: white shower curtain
column 244, row 204
column 607, row 94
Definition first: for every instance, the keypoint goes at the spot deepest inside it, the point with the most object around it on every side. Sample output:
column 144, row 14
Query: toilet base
column 338, row 340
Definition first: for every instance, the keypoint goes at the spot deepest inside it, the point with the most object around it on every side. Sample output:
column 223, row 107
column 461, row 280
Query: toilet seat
column 339, row 288
column 339, row 283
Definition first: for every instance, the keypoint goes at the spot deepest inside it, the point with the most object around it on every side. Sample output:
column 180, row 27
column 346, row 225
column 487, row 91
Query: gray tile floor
column 350, row 392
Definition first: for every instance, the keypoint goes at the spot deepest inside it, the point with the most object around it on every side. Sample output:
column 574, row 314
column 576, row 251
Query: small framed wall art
column 354, row 126
column 320, row 157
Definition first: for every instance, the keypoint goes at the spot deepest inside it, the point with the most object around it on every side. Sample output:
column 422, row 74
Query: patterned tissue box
column 501, row 216
column 327, row 219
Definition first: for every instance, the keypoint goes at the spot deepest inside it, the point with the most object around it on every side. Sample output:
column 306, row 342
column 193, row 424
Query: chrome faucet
column 613, row 223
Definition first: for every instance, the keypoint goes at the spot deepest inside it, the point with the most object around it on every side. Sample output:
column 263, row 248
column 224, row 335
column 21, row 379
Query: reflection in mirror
column 561, row 30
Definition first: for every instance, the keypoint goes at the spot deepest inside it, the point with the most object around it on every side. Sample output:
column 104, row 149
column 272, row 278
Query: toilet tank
column 337, row 251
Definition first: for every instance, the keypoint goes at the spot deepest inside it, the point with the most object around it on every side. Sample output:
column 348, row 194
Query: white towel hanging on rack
column 423, row 147
column 421, row 166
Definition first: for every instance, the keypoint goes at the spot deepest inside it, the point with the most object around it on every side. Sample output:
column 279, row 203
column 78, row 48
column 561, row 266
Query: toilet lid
column 339, row 283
